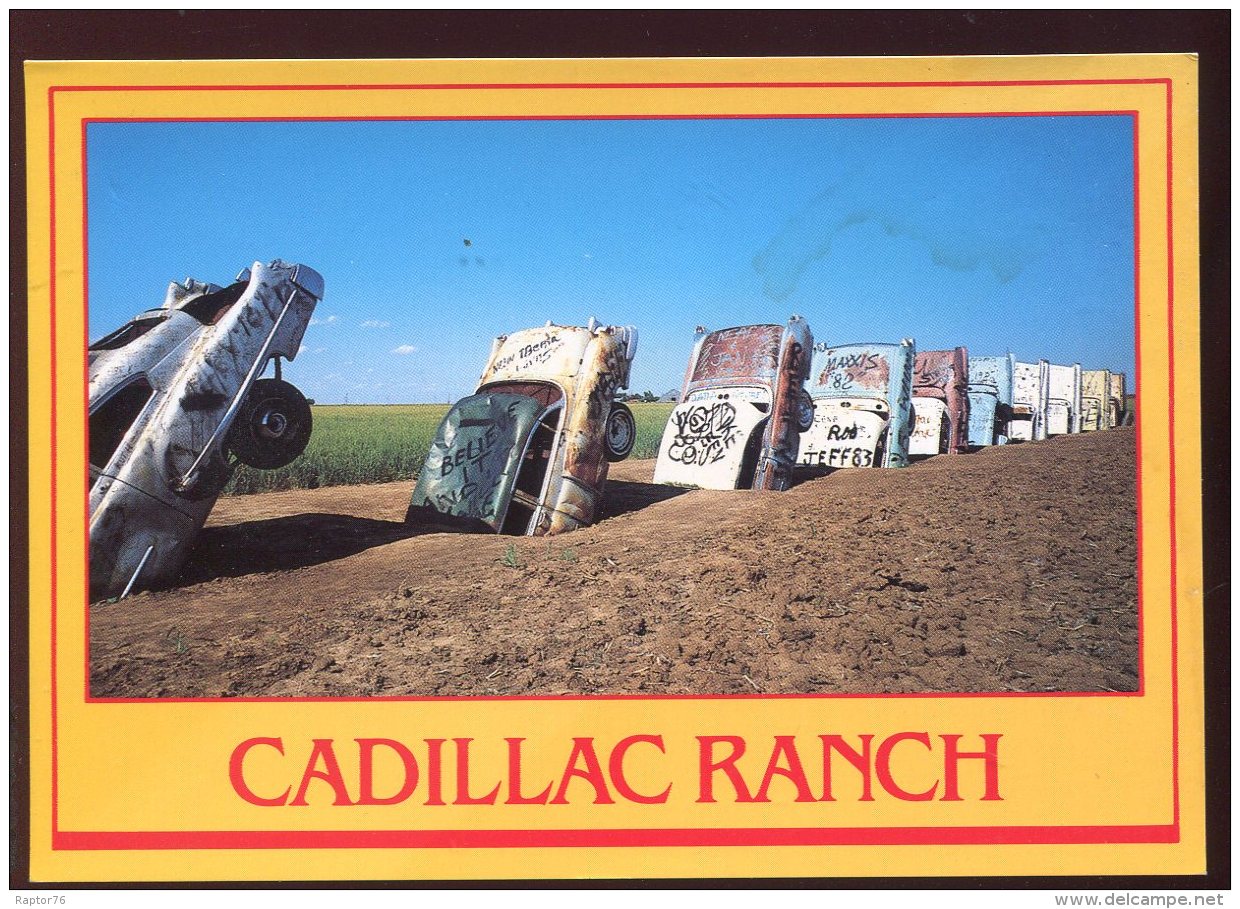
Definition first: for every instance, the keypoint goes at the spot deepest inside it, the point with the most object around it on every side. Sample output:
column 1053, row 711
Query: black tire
column 805, row 412
column 272, row 426
column 619, row 432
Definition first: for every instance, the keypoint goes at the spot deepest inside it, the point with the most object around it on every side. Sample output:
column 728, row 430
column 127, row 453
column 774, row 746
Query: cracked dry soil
column 1013, row 569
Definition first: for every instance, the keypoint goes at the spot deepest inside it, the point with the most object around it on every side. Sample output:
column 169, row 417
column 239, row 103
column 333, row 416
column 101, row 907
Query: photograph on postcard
column 301, row 487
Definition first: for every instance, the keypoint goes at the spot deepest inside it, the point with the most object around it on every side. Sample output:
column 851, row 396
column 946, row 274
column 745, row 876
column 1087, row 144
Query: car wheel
column 805, row 412
column 272, row 427
column 620, row 432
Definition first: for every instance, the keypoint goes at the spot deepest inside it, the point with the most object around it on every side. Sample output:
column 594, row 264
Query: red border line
column 553, row 698
column 609, row 117
column 86, row 385
column 1136, row 380
column 1175, row 621
column 489, row 86
column 658, row 837
column 645, row 697
column 517, row 839
column 54, row 587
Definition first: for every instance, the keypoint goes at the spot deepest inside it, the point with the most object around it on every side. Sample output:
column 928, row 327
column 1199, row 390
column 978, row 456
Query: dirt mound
column 1013, row 569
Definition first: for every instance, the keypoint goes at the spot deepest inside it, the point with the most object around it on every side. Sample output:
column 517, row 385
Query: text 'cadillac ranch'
column 639, row 769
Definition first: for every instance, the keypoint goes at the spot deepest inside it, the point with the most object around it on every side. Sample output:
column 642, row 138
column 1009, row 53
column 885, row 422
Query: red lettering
column 616, row 766
column 434, row 772
column 237, row 778
column 785, row 746
column 707, row 766
column 951, row 787
column 330, row 774
column 882, row 766
column 462, row 778
column 514, row 778
column 592, row 773
column 860, row 760
column 366, row 770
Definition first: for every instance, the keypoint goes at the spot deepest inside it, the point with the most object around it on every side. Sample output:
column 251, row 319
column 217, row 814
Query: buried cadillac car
column 528, row 452
column 863, row 410
column 1030, row 393
column 1099, row 409
column 990, row 399
column 941, row 403
column 742, row 409
column 176, row 401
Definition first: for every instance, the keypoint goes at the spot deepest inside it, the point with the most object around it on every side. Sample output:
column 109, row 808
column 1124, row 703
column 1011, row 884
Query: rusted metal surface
column 748, row 355
column 941, row 402
column 1030, row 393
column 164, row 392
column 863, row 411
column 526, row 479
column 990, row 399
column 736, row 423
column 1063, row 402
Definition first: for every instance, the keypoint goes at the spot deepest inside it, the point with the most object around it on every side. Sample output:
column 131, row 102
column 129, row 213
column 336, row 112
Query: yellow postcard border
column 1181, row 355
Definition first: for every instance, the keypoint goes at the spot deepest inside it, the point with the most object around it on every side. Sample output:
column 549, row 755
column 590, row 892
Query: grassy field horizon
column 381, row 443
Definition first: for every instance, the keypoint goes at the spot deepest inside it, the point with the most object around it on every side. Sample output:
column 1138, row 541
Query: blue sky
column 1004, row 233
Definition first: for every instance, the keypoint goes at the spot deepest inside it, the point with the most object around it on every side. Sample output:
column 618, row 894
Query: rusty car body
column 863, row 411
column 176, row 400
column 528, row 452
column 741, row 410
column 1030, row 393
column 1063, row 400
column 990, row 399
column 941, row 403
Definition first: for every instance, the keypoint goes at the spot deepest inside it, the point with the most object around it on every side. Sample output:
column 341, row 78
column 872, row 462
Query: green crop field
column 373, row 443
column 651, row 418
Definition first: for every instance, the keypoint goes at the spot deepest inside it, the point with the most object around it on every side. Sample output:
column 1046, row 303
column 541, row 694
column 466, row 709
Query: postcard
column 645, row 468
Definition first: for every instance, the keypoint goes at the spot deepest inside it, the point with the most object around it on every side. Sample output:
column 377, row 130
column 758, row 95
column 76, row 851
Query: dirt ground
column 1013, row 569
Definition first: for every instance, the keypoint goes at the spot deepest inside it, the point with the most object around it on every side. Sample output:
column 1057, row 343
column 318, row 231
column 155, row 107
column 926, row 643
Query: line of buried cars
column 178, row 397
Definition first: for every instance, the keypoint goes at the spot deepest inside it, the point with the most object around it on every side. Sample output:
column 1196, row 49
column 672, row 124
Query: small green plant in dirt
column 510, row 558
column 568, row 555
column 177, row 641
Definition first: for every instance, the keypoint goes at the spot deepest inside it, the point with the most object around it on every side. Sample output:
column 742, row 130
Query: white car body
column 742, row 409
column 862, row 399
column 1063, row 405
column 1096, row 411
column 175, row 399
column 1030, row 394
column 929, row 428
